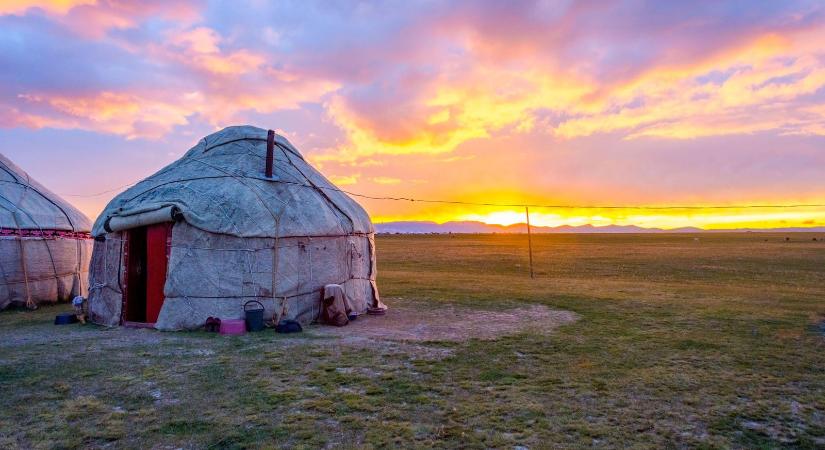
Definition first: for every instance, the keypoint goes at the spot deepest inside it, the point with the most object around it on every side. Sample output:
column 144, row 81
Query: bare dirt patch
column 404, row 324
column 450, row 323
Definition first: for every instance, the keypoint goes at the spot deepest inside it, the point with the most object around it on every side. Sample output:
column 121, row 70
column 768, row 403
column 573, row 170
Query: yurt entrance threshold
column 147, row 258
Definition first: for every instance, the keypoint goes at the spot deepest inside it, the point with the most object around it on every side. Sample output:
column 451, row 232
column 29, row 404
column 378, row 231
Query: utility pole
column 529, row 240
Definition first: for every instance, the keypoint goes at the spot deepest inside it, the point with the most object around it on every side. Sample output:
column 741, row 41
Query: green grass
column 710, row 343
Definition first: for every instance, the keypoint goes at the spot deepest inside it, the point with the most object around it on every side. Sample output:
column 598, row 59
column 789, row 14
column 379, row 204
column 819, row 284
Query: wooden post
column 529, row 240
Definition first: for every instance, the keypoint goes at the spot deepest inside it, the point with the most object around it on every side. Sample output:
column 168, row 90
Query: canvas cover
column 44, row 242
column 335, row 307
column 239, row 236
column 219, row 186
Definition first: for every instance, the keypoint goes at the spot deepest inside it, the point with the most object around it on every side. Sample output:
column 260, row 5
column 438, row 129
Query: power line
column 568, row 206
column 100, row 193
column 516, row 205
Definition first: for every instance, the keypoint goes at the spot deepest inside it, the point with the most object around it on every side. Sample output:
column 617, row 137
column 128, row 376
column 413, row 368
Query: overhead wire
column 515, row 205
column 96, row 194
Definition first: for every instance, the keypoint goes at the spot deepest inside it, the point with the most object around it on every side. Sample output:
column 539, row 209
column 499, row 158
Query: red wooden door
column 157, row 260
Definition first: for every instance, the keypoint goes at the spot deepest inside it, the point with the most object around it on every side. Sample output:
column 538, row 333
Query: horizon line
column 687, row 228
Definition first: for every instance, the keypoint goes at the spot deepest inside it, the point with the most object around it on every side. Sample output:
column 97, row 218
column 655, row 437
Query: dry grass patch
column 715, row 343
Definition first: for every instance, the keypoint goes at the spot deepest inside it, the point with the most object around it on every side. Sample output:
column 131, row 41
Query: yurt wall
column 45, row 245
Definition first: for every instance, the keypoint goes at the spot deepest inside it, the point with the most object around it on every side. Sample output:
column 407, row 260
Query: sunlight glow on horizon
column 706, row 219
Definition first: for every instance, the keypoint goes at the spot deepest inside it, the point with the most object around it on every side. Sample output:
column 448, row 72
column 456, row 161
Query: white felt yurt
column 45, row 244
column 212, row 231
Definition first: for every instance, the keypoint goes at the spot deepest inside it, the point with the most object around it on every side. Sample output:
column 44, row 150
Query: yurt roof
column 220, row 186
column 26, row 204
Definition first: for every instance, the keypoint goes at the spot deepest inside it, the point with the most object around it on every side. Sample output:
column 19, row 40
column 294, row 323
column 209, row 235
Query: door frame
column 127, row 250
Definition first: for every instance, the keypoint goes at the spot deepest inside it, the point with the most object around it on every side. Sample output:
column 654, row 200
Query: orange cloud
column 770, row 75
column 125, row 114
column 760, row 94
column 446, row 113
column 385, row 180
column 344, row 180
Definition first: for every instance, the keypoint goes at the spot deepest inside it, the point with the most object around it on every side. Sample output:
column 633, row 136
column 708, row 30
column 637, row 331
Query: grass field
column 711, row 340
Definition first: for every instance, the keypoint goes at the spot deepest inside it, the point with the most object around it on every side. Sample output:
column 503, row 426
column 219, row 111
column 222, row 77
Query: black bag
column 288, row 326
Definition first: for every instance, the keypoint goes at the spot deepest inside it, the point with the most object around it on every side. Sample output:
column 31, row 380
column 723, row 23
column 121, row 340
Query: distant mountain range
column 424, row 227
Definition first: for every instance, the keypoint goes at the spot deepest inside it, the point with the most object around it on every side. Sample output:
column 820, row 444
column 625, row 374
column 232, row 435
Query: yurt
column 240, row 217
column 45, row 244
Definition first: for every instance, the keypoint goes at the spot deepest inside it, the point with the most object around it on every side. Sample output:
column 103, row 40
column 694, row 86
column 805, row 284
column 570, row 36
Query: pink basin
column 233, row 327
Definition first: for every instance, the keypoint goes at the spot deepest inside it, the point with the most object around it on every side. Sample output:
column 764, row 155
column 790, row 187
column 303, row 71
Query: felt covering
column 239, row 236
column 44, row 243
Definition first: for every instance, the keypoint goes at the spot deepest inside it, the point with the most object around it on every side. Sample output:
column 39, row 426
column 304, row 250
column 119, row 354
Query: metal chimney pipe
column 270, row 148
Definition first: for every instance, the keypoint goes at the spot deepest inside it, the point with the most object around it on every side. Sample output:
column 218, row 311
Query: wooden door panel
column 157, row 259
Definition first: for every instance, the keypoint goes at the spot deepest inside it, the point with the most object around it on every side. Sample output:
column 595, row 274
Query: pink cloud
column 19, row 7
column 94, row 18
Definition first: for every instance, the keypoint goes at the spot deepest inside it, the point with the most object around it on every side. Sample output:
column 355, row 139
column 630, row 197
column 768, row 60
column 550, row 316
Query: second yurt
column 45, row 244
column 240, row 217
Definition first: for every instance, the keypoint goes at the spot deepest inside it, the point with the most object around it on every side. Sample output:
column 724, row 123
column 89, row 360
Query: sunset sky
column 547, row 102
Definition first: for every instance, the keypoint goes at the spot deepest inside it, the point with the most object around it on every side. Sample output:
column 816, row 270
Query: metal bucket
column 254, row 317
